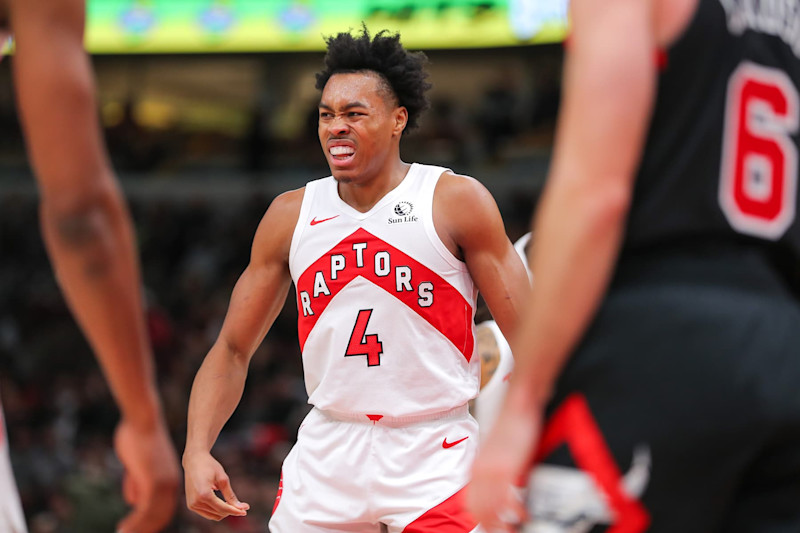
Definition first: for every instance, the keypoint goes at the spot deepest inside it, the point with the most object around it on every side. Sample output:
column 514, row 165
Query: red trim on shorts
column 280, row 493
column 573, row 424
column 450, row 516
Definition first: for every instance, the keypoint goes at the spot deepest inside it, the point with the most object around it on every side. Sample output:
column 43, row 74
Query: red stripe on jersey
column 450, row 516
column 448, row 312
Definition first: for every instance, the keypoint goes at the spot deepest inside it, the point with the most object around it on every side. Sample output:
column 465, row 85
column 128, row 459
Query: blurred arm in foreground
column 89, row 236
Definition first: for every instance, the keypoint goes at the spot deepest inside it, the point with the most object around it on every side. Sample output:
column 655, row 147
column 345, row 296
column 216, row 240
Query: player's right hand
column 502, row 459
column 151, row 479
column 204, row 475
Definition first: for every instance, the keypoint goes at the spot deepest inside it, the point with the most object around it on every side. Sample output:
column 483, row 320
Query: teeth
column 341, row 150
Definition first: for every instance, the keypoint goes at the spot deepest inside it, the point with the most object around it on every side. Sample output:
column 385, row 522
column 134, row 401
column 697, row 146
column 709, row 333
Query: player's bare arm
column 86, row 226
column 89, row 237
column 257, row 299
column 608, row 91
column 469, row 223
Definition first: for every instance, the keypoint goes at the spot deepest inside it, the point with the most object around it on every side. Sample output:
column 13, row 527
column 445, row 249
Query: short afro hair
column 403, row 71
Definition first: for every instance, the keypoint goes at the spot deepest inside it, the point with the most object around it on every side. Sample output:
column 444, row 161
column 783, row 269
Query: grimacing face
column 360, row 125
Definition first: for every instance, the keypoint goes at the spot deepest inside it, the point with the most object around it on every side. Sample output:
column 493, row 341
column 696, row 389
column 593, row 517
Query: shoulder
column 462, row 196
column 671, row 18
column 460, row 186
column 274, row 233
column 463, row 205
column 287, row 203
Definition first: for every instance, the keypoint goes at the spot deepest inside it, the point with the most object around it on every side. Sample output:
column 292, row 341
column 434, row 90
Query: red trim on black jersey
column 662, row 60
column 573, row 424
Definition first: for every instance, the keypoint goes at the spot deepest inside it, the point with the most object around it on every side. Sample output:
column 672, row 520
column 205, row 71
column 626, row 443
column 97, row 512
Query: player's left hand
column 151, row 476
column 492, row 494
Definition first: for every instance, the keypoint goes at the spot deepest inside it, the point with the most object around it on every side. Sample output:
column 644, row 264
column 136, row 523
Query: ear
column 400, row 116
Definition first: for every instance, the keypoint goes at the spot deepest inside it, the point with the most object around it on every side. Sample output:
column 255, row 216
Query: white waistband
column 396, row 421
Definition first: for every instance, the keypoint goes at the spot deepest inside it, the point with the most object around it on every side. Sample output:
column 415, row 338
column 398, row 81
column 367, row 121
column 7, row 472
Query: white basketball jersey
column 12, row 519
column 385, row 310
column 490, row 400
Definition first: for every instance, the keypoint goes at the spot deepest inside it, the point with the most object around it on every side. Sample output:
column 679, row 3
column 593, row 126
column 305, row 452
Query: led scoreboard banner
column 187, row 26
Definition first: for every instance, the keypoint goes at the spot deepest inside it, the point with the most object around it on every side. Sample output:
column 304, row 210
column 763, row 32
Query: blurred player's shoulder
column 671, row 18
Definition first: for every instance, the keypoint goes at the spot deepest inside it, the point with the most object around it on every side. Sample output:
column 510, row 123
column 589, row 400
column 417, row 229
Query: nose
column 338, row 126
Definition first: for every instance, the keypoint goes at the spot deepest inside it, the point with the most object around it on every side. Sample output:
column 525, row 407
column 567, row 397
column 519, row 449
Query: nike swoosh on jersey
column 314, row 220
column 446, row 444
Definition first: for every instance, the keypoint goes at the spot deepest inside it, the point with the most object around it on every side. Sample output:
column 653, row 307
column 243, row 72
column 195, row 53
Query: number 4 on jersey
column 363, row 344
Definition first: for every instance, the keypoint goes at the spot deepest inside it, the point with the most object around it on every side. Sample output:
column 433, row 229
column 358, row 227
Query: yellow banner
column 189, row 26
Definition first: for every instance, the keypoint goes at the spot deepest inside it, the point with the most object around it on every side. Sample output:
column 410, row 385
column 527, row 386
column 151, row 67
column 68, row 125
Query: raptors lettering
column 381, row 266
column 363, row 255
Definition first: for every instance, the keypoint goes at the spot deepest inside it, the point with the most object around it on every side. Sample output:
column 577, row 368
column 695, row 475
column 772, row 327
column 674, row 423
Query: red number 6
column 758, row 181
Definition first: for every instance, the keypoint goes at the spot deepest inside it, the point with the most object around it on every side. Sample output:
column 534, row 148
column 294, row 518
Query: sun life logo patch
column 403, row 211
column 403, row 208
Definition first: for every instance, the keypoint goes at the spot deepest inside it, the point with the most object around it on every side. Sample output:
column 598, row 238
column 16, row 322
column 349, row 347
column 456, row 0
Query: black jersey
column 721, row 158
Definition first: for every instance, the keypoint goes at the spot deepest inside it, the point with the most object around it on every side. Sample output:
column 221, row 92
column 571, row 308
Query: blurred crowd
column 59, row 415
column 169, row 127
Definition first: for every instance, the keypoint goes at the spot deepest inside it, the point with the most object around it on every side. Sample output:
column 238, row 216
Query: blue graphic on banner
column 138, row 19
column 217, row 18
column 527, row 17
column 296, row 17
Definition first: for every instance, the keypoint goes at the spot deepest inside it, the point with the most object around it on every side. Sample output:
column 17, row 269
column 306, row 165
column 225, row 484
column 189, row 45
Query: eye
column 355, row 114
column 325, row 114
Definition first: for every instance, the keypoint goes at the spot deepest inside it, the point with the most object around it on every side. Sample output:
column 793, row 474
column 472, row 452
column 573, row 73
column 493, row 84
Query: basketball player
column 386, row 257
column 662, row 344
column 89, row 237
column 496, row 361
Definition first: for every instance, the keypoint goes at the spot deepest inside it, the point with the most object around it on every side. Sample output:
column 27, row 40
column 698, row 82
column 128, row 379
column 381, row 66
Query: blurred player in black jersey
column 657, row 378
column 89, row 237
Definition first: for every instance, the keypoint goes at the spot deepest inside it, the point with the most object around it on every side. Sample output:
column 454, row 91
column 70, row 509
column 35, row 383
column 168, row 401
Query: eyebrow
column 323, row 105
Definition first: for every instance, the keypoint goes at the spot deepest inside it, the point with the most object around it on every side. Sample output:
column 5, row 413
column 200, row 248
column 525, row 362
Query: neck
column 362, row 195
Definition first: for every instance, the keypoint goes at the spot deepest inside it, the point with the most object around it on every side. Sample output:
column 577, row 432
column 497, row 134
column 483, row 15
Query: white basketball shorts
column 369, row 475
